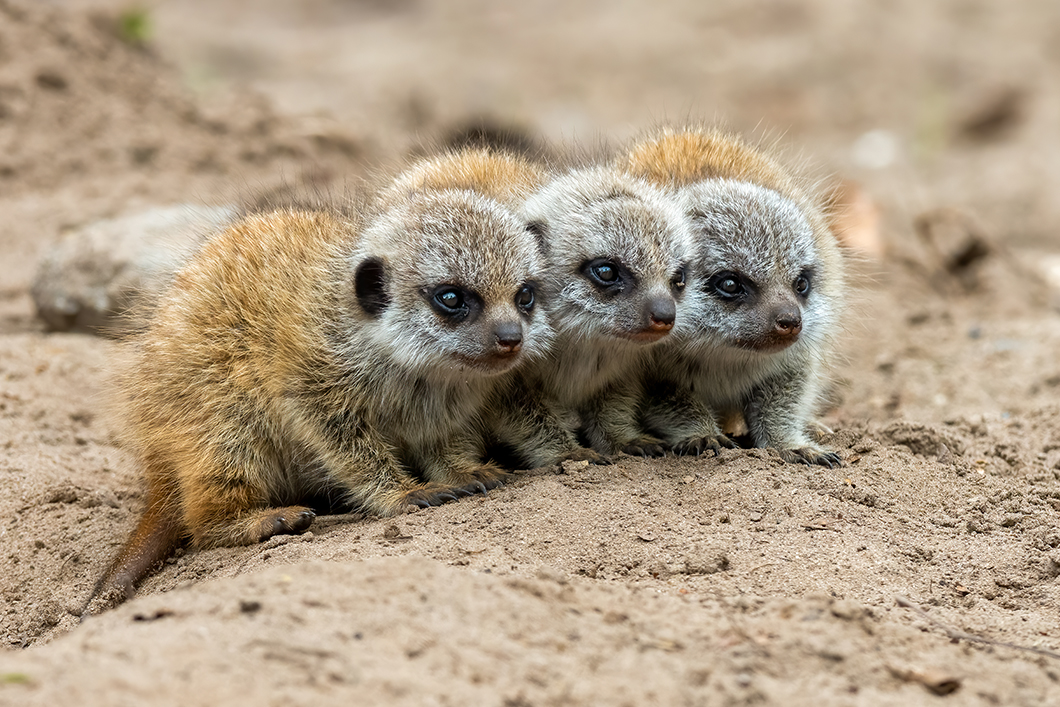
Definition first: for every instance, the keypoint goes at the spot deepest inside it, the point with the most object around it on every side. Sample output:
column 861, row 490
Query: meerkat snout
column 780, row 329
column 662, row 311
column 509, row 337
column 787, row 322
column 771, row 327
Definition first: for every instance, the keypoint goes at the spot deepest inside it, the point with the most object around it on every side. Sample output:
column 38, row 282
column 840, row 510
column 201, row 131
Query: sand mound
column 78, row 99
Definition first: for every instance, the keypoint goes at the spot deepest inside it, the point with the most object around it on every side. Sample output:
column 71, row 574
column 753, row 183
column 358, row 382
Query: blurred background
column 926, row 104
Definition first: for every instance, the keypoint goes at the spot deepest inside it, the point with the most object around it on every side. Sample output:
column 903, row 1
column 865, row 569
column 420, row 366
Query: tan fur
column 764, row 353
column 680, row 157
column 303, row 355
column 509, row 179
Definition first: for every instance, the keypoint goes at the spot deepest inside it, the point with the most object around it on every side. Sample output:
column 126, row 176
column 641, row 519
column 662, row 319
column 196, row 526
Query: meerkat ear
column 370, row 285
column 540, row 231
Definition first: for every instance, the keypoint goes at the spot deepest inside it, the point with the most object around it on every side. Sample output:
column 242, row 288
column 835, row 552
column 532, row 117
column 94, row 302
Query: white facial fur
column 599, row 214
column 766, row 240
column 469, row 242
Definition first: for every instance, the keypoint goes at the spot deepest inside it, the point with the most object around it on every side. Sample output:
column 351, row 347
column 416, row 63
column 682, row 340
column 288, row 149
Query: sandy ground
column 923, row 571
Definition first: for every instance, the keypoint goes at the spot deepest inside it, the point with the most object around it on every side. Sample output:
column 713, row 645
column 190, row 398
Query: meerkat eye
column 678, row 280
column 450, row 300
column 802, row 285
column 728, row 285
column 602, row 272
column 524, row 299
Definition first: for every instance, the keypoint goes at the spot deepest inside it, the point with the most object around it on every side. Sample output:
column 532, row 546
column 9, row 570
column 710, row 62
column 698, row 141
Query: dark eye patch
column 452, row 302
column 607, row 275
column 803, row 284
column 524, row 298
column 730, row 286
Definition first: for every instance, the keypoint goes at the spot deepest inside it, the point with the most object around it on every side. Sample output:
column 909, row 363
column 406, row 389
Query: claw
column 701, row 445
column 811, row 456
column 305, row 519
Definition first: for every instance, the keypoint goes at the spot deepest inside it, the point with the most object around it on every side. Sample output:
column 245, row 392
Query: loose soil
column 923, row 571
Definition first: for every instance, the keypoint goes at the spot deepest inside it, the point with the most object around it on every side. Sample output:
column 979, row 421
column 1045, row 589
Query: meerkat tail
column 156, row 536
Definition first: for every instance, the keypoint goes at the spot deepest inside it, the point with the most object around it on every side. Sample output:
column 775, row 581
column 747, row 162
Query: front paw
column 645, row 446
column 436, row 494
column 811, row 455
column 477, row 480
column 291, row 520
column 698, row 445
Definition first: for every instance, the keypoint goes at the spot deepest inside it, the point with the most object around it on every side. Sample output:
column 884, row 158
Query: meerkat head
column 451, row 278
column 761, row 281
column 617, row 249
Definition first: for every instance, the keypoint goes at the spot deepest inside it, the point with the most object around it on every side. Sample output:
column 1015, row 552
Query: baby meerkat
column 616, row 248
column 766, row 285
column 303, row 355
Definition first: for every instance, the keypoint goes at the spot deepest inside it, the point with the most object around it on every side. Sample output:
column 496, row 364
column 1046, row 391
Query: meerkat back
column 767, row 283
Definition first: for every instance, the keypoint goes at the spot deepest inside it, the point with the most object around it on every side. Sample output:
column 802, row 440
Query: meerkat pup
column 304, row 354
column 616, row 248
column 766, row 285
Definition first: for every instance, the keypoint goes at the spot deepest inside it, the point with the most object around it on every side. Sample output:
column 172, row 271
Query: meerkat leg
column 778, row 416
column 217, row 523
column 458, row 465
column 682, row 421
column 461, row 468
column 537, row 432
column 610, row 422
column 358, row 460
column 546, row 441
column 383, row 487
column 227, row 500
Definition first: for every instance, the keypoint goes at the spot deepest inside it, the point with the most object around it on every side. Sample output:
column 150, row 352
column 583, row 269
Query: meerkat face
column 617, row 250
column 451, row 279
column 757, row 270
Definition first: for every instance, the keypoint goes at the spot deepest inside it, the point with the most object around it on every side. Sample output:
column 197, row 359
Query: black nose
column 509, row 336
column 787, row 322
column 662, row 311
